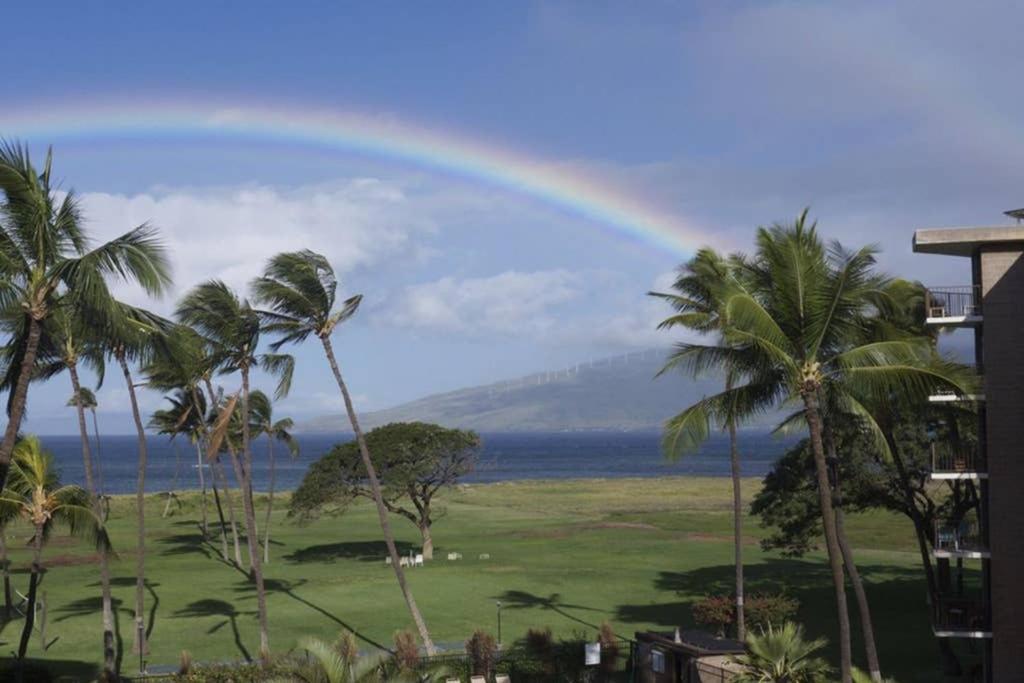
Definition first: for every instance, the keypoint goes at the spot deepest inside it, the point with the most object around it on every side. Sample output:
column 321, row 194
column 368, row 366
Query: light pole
column 498, row 603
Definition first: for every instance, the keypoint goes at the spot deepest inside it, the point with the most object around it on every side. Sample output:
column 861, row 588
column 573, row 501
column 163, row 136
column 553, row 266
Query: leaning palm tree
column 44, row 255
column 802, row 317
column 185, row 417
column 697, row 299
column 261, row 413
column 232, row 329
column 783, row 655
column 300, row 289
column 34, row 493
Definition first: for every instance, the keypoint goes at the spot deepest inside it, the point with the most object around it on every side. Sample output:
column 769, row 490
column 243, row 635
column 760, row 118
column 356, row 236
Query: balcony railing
column 950, row 462
column 964, row 539
column 953, row 302
column 961, row 616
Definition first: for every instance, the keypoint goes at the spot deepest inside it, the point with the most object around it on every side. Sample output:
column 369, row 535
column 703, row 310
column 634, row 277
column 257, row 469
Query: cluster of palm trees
column 812, row 327
column 59, row 313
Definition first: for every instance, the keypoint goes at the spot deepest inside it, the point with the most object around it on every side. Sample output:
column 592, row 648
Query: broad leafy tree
column 299, row 290
column 414, row 460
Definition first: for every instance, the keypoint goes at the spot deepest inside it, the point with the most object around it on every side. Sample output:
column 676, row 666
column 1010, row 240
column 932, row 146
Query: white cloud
column 229, row 233
column 512, row 302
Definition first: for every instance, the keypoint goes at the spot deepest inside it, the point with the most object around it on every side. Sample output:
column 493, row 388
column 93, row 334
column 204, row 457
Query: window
column 657, row 661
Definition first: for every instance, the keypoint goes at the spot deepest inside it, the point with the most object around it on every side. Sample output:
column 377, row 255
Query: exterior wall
column 1002, row 282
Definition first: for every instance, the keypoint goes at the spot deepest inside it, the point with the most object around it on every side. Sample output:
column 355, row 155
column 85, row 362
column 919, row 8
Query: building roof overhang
column 967, row 240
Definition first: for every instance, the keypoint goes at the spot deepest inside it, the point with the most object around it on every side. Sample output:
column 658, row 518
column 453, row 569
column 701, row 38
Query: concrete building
column 993, row 306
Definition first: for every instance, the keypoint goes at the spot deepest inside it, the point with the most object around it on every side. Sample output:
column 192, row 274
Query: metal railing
column 965, row 537
column 953, row 302
column 949, row 460
column 960, row 614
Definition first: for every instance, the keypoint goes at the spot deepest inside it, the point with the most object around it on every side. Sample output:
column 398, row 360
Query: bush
column 718, row 612
column 539, row 645
column 407, row 652
column 482, row 650
column 609, row 648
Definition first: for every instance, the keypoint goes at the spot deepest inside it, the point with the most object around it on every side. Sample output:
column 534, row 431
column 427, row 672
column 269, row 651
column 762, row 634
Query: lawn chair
column 387, row 560
column 419, row 561
column 477, row 679
column 452, row 680
column 484, row 556
column 403, row 562
column 502, row 678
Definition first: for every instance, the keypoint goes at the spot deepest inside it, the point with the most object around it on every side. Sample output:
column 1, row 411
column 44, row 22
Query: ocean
column 504, row 457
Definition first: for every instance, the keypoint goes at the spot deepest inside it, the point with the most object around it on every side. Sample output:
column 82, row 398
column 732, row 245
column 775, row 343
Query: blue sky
column 882, row 117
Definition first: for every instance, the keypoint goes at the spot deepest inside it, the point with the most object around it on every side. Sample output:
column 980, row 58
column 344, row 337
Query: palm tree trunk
column 218, row 469
column 202, row 487
column 831, row 542
column 867, row 629
column 139, row 638
column 109, row 654
column 737, row 521
column 100, row 490
column 5, row 566
column 270, row 501
column 252, row 535
column 18, row 400
column 378, row 498
column 30, row 613
column 220, row 514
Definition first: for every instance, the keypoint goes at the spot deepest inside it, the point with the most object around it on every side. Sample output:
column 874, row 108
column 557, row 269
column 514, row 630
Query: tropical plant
column 801, row 321
column 698, row 300
column 300, row 290
column 783, row 655
column 414, row 461
column 34, row 492
column 231, row 328
column 261, row 412
column 45, row 256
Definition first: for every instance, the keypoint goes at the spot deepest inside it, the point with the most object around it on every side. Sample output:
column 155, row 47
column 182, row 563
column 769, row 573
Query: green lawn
column 568, row 555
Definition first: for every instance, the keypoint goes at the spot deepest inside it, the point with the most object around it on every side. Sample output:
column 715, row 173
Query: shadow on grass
column 553, row 603
column 85, row 607
column 897, row 597
column 154, row 603
column 288, row 588
column 210, row 607
column 186, row 544
column 364, row 551
column 49, row 670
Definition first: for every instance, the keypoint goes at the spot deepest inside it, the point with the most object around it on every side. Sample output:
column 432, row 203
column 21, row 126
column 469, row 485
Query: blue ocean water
column 504, row 457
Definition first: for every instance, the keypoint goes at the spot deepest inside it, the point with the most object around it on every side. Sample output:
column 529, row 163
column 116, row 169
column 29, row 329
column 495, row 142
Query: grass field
column 567, row 555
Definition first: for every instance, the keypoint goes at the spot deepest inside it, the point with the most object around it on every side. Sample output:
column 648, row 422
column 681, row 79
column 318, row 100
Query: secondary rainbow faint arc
column 373, row 136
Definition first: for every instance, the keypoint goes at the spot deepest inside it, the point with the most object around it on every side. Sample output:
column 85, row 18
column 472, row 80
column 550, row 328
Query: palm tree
column 232, row 329
column 133, row 335
column 803, row 319
column 34, row 492
column 783, row 655
column 185, row 416
column 44, row 254
column 698, row 303
column 300, row 288
column 261, row 412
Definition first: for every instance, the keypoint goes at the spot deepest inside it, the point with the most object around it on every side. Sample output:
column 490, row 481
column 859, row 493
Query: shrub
column 609, row 648
column 482, row 650
column 718, row 612
column 407, row 652
column 540, row 645
column 346, row 646
column 185, row 662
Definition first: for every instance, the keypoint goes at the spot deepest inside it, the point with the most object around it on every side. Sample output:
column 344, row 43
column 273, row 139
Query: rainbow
column 376, row 136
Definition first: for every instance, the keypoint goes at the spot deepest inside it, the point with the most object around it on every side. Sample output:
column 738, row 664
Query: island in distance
column 619, row 393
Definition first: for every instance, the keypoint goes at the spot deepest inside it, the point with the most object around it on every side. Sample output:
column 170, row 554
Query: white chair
column 452, row 680
column 387, row 560
column 403, row 562
column 477, row 679
column 484, row 556
column 502, row 678
column 419, row 561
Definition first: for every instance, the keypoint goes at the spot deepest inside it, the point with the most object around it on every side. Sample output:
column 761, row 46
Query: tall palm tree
column 697, row 300
column 132, row 336
column 44, row 254
column 261, row 412
column 232, row 329
column 34, row 492
column 804, row 318
column 73, row 344
column 186, row 417
column 300, row 289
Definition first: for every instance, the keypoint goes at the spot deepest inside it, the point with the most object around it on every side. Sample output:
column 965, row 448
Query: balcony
column 960, row 617
column 952, row 396
column 949, row 462
column 953, row 306
column 960, row 540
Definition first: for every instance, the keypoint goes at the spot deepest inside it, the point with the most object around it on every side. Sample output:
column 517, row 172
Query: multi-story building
column 993, row 307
